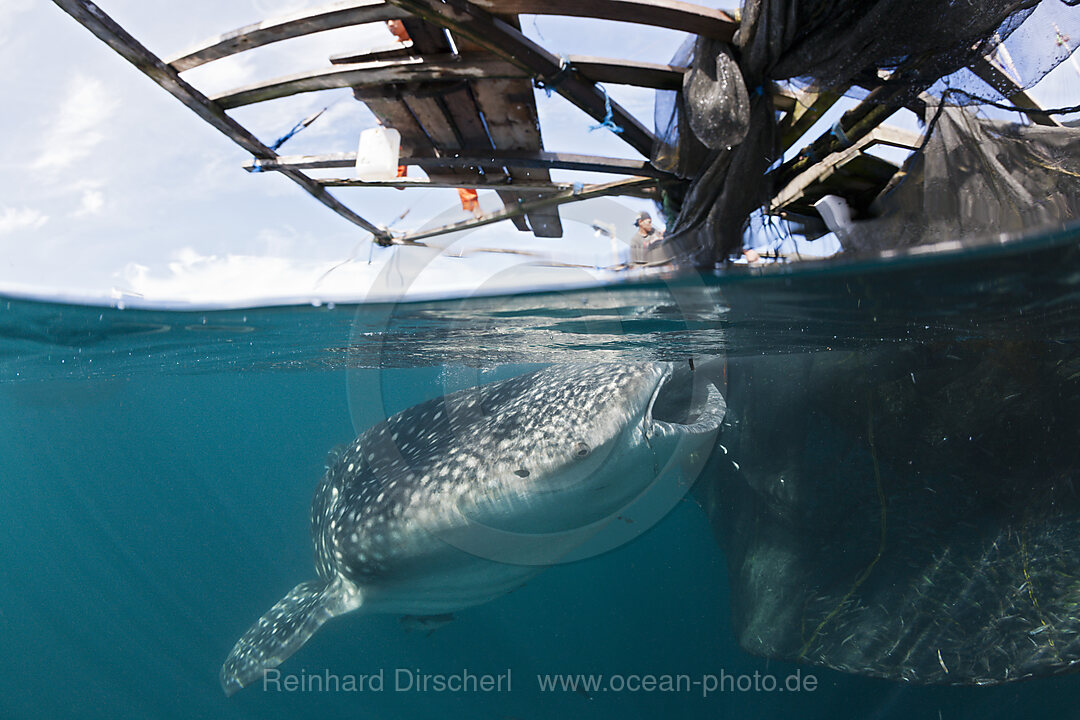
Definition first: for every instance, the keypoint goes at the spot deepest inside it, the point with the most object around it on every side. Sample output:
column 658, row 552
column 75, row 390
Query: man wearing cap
column 645, row 240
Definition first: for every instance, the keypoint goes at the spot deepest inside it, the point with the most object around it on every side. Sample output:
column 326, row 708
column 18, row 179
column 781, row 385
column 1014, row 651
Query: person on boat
column 645, row 240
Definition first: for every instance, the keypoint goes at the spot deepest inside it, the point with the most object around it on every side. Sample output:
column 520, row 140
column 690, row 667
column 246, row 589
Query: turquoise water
column 157, row 470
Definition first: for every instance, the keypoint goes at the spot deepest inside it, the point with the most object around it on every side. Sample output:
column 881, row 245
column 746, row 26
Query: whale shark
column 458, row 500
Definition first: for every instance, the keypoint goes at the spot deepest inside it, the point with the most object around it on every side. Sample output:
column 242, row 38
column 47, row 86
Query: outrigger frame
column 497, row 50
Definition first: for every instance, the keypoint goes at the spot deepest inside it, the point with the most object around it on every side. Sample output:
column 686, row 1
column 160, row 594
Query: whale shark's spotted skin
column 554, row 448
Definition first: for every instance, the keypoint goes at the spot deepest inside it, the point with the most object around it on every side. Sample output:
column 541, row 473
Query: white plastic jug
column 377, row 156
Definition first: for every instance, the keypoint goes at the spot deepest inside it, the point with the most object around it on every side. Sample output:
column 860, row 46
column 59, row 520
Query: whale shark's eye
column 521, row 472
column 581, row 449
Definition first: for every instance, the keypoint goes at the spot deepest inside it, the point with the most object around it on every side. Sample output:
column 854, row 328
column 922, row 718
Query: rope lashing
column 837, row 132
column 548, row 83
column 607, row 122
column 257, row 165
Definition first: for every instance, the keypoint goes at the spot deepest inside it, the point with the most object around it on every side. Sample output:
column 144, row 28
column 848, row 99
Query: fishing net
column 721, row 129
column 909, row 513
column 976, row 178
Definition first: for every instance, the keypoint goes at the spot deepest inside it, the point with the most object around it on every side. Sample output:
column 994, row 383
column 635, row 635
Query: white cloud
column 221, row 75
column 78, row 126
column 92, row 203
column 12, row 219
column 9, row 10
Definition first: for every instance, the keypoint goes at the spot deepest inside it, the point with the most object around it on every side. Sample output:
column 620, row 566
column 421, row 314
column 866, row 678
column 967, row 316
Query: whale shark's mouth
column 685, row 400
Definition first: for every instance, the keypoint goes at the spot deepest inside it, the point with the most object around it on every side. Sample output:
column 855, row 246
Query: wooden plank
column 882, row 135
column 808, row 109
column 502, row 39
column 431, row 39
column 312, row 20
column 996, row 78
column 629, row 72
column 438, row 69
column 370, row 74
column 630, row 186
column 105, row 28
column 392, row 52
column 853, row 125
column 661, row 13
column 509, row 108
column 392, row 112
column 687, row 17
column 480, row 183
column 504, row 158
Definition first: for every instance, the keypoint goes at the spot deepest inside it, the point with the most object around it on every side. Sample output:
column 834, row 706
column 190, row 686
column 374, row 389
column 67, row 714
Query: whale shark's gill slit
column 283, row 630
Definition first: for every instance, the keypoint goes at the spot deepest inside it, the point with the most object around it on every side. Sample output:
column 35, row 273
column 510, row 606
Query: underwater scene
column 845, row 490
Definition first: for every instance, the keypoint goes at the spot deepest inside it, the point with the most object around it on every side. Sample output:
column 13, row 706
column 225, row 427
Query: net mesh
column 721, row 129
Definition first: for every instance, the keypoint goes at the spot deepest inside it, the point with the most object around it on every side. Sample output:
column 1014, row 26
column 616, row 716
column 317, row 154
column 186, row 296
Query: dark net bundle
column 975, row 178
column 896, row 47
column 923, row 531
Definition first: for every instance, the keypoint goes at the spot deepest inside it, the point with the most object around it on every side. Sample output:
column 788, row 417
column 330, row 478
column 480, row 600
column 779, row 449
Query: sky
column 112, row 191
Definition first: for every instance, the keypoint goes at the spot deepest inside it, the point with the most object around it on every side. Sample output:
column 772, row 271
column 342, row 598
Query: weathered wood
column 509, row 109
column 853, row 125
column 629, row 72
column 379, row 72
column 392, row 112
column 437, row 69
column 687, row 17
column 104, row 27
column 808, row 109
column 504, row 158
column 875, row 169
column 477, row 183
column 313, row 20
column 502, row 39
column 993, row 76
column 661, row 13
column 619, row 187
column 392, row 52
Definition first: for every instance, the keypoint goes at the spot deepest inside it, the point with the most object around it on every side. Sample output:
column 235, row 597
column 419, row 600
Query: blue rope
column 837, row 132
column 607, row 122
column 548, row 84
column 257, row 166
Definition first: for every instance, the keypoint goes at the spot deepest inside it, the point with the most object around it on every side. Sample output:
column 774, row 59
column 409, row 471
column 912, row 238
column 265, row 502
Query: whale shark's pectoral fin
column 282, row 631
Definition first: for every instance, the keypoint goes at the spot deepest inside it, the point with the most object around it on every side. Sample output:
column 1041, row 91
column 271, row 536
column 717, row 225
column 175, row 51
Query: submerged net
column 918, row 530
column 721, row 129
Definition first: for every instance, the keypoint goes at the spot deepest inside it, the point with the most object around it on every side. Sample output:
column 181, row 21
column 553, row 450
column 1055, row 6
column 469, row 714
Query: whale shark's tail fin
column 282, row 631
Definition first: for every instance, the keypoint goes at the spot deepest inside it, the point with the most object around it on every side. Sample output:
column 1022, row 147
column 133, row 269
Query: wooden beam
column 471, row 158
column 683, row 16
column 313, row 20
column 619, row 187
column 441, row 68
column 853, row 125
column 881, row 135
column 995, row 77
column 391, row 52
column 369, row 74
column 808, row 109
column 105, row 28
column 501, row 183
column 687, row 17
column 506, row 41
column 510, row 116
column 629, row 72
